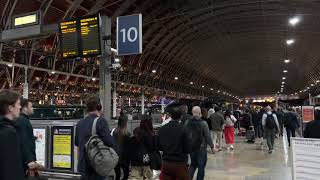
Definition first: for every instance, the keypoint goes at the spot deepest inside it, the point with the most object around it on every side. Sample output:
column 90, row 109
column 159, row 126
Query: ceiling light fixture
column 176, row 78
column 290, row 41
column 286, row 61
column 202, row 86
column 10, row 65
column 211, row 89
column 117, row 60
column 317, row 81
column 285, row 71
column 294, row 20
column 311, row 85
column 53, row 72
column 191, row 83
column 283, row 78
column 94, row 79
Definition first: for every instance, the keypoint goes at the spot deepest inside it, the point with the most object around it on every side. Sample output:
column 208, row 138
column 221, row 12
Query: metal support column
column 104, row 70
column 162, row 104
column 142, row 102
column 114, row 98
column 26, row 84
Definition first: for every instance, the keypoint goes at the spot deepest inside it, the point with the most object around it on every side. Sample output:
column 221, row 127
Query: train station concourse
column 159, row 89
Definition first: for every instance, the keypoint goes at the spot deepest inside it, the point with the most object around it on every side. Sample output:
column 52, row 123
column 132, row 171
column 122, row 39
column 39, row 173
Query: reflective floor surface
column 250, row 162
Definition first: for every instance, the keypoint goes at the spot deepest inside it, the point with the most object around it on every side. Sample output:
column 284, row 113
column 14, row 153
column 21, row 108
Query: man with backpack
column 86, row 139
column 271, row 126
column 200, row 138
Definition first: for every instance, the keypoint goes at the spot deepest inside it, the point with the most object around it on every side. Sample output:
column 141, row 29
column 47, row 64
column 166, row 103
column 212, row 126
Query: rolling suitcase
column 250, row 135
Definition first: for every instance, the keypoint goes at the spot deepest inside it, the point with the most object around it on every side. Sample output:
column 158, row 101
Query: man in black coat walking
column 27, row 138
column 10, row 156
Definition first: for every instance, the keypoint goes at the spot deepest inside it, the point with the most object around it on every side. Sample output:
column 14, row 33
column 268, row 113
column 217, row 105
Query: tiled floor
column 250, row 162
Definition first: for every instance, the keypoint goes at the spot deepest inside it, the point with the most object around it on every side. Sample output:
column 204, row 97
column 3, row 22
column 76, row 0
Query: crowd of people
column 178, row 149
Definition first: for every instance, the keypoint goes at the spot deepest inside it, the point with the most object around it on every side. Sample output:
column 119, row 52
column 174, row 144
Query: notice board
column 306, row 158
column 62, row 153
column 40, row 135
column 307, row 113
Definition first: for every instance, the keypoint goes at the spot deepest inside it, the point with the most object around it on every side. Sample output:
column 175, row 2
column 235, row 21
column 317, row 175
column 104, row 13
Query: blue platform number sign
column 129, row 34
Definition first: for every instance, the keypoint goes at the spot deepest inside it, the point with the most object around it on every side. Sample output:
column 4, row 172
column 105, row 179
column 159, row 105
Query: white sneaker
column 231, row 147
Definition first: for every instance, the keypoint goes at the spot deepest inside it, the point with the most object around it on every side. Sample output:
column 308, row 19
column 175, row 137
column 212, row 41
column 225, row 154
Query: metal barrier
column 55, row 146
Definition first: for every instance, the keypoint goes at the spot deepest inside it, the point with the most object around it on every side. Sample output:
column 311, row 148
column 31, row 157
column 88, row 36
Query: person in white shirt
column 229, row 129
column 270, row 124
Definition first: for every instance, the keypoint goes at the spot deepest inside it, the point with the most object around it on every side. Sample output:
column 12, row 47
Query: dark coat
column 25, row 132
column 10, row 156
column 312, row 129
column 291, row 120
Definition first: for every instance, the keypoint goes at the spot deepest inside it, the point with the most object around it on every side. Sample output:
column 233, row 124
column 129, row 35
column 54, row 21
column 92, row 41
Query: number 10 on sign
column 129, row 34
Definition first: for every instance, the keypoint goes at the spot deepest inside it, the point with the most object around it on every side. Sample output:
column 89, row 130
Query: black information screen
column 90, row 36
column 69, row 39
column 80, row 37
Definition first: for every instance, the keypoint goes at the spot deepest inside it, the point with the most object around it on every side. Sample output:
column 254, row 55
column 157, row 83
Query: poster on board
column 305, row 158
column 40, row 141
column 62, row 147
column 307, row 113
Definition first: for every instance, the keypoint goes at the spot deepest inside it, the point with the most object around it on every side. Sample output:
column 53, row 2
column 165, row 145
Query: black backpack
column 194, row 128
column 270, row 122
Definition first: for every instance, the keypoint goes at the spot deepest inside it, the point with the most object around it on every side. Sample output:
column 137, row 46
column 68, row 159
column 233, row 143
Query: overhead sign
column 28, row 19
column 129, row 34
column 307, row 113
column 80, row 37
column 62, row 147
column 90, row 36
column 305, row 158
column 69, row 39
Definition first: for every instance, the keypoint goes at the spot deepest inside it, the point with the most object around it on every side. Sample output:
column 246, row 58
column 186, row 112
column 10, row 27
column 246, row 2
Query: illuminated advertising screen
column 40, row 141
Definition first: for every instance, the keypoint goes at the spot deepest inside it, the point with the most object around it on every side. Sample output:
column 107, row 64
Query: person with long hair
column 205, row 117
column 122, row 136
column 229, row 129
column 141, row 145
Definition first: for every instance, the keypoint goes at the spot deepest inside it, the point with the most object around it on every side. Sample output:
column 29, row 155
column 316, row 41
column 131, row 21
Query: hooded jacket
column 10, row 156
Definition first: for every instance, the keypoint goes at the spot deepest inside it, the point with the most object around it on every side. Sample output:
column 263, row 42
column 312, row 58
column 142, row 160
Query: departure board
column 69, row 39
column 80, row 37
column 90, row 36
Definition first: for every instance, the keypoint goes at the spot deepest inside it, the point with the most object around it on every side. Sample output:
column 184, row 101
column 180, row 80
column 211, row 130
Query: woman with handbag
column 140, row 150
column 229, row 129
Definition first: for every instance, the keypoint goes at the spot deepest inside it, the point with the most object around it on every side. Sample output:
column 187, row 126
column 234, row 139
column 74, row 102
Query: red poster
column 307, row 113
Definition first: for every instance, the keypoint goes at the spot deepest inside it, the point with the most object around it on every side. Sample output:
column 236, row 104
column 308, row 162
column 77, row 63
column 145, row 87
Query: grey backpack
column 102, row 158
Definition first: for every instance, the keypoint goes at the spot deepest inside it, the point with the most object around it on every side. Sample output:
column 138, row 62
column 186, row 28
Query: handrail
column 60, row 175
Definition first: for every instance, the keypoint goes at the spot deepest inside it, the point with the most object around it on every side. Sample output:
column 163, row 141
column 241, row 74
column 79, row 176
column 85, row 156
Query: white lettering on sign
column 131, row 35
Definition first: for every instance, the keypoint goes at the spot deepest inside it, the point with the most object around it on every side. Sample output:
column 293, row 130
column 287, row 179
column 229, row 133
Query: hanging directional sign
column 129, row 34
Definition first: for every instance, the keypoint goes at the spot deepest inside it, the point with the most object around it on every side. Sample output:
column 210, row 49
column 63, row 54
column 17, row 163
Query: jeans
column 258, row 131
column 217, row 138
column 270, row 136
column 291, row 132
column 198, row 161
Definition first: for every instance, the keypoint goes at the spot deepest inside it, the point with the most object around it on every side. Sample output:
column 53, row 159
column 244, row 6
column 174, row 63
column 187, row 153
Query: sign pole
column 104, row 69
